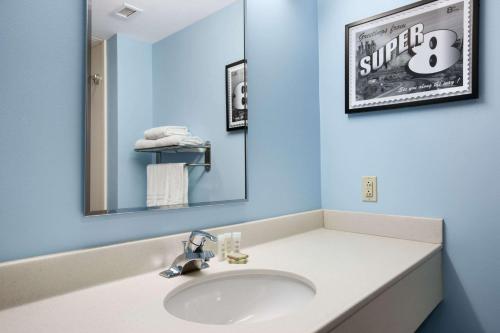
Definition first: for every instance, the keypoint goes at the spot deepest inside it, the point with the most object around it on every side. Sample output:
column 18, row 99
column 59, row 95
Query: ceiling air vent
column 127, row 10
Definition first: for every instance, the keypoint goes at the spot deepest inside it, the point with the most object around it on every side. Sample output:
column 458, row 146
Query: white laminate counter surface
column 347, row 270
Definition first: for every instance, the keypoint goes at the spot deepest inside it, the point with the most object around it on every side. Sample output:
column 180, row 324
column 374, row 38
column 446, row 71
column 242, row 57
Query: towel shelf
column 205, row 148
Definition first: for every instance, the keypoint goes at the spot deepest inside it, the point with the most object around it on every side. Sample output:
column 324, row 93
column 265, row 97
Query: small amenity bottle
column 236, row 236
column 228, row 241
column 221, row 247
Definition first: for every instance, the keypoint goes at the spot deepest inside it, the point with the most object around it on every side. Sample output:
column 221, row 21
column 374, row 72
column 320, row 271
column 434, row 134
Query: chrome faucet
column 194, row 256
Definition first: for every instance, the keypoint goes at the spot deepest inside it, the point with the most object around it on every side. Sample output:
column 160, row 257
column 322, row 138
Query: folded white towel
column 167, row 141
column 145, row 144
column 167, row 184
column 165, row 131
column 174, row 140
column 191, row 141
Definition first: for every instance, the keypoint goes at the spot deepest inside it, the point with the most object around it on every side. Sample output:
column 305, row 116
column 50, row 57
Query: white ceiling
column 159, row 18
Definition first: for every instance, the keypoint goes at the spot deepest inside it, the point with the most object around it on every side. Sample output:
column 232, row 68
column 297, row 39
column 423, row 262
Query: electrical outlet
column 369, row 189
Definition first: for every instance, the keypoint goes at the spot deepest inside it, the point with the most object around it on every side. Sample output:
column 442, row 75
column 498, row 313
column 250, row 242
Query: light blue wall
column 130, row 113
column 439, row 160
column 42, row 115
column 432, row 161
column 189, row 90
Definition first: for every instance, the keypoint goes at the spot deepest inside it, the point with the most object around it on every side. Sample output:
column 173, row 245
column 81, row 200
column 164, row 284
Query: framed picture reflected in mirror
column 236, row 96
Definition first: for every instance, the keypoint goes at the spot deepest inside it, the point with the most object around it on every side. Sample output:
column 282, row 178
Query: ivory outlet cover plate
column 369, row 189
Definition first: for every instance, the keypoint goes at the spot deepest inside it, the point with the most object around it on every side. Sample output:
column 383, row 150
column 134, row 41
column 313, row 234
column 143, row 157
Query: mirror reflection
column 167, row 104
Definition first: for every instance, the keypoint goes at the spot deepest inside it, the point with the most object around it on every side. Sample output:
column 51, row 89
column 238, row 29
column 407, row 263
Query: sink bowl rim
column 238, row 273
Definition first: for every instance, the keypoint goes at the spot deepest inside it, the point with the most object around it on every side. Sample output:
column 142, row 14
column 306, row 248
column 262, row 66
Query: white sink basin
column 247, row 296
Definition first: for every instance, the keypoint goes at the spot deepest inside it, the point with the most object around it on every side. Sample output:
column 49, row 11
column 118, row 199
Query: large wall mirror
column 166, row 117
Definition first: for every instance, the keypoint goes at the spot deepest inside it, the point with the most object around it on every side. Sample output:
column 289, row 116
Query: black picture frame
column 472, row 65
column 236, row 115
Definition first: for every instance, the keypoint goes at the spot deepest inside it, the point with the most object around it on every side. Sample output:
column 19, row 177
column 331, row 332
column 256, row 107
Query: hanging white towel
column 165, row 131
column 167, row 184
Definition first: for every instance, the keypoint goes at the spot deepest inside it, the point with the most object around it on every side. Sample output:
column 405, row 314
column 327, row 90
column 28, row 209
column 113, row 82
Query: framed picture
column 419, row 54
column 236, row 96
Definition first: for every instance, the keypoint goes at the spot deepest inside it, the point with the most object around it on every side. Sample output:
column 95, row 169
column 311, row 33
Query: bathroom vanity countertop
column 347, row 269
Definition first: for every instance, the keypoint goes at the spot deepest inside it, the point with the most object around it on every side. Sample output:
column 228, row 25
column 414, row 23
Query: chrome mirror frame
column 88, row 81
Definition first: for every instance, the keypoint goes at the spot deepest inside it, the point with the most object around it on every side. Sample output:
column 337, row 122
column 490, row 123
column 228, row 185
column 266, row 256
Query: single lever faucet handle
column 204, row 235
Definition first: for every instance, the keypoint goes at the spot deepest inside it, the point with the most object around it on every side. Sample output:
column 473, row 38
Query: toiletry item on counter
column 228, row 247
column 221, row 247
column 237, row 258
column 238, row 262
column 236, row 236
column 228, row 243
